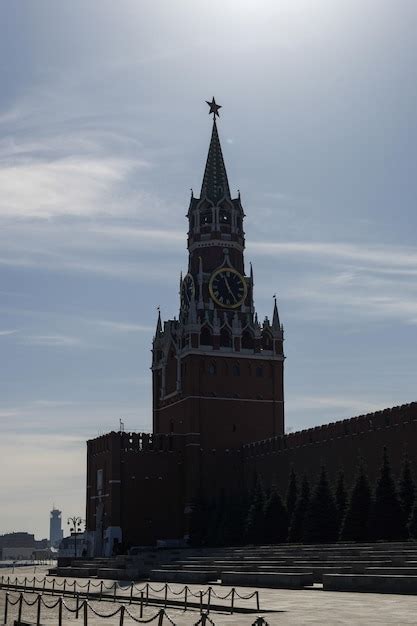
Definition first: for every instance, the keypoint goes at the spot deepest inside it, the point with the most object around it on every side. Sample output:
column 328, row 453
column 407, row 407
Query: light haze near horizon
column 104, row 129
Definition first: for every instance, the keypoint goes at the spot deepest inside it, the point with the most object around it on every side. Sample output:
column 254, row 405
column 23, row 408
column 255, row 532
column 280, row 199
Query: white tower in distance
column 55, row 528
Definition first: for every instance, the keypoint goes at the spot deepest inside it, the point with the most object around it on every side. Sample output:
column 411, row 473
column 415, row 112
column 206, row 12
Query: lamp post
column 75, row 522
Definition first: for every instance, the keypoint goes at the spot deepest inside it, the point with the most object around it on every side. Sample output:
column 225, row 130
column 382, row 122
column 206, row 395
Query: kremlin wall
column 218, row 399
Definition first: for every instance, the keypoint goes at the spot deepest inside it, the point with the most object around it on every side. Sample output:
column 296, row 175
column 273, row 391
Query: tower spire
column 158, row 324
column 215, row 184
column 275, row 317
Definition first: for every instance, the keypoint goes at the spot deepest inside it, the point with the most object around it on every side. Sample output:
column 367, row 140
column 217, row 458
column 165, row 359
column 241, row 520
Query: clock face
column 187, row 291
column 228, row 288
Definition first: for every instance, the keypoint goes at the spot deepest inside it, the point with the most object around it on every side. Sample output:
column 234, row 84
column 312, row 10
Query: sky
column 103, row 131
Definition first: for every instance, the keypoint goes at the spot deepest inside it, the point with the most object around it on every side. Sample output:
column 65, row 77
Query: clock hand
column 228, row 286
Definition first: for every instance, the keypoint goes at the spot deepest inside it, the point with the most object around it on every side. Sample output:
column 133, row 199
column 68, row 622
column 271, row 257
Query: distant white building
column 56, row 533
column 73, row 546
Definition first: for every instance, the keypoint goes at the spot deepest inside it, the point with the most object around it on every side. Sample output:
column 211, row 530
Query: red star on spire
column 214, row 108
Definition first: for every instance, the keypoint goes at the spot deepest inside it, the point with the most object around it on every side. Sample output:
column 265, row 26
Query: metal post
column 44, row 583
column 208, row 600
column 60, row 611
column 201, row 601
column 19, row 615
column 185, row 597
column 114, row 591
column 141, row 604
column 203, row 619
column 77, row 605
column 24, row 584
column 75, row 586
column 101, row 589
column 166, row 595
column 85, row 613
column 38, row 613
column 88, row 587
column 161, row 617
column 131, row 593
column 65, row 584
column 6, row 606
column 147, row 593
column 257, row 600
column 233, row 601
column 122, row 615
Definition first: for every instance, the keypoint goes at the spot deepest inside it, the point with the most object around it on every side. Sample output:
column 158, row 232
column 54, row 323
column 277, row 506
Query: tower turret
column 216, row 364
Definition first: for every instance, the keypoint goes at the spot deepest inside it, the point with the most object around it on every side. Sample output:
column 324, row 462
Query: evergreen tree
column 406, row 488
column 215, row 526
column 412, row 523
column 235, row 512
column 340, row 498
column 196, row 524
column 255, row 518
column 275, row 518
column 388, row 516
column 356, row 524
column 321, row 521
column 296, row 530
column 292, row 493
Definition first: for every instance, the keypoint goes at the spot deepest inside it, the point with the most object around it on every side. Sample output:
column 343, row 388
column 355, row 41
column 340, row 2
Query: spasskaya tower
column 217, row 371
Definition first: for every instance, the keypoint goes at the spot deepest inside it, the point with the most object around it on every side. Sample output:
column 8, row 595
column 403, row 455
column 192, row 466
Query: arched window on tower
column 266, row 340
column 206, row 338
column 247, row 340
column 225, row 338
column 206, row 218
column 224, row 216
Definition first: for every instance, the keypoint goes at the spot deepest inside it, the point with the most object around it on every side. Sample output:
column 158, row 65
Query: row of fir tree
column 317, row 513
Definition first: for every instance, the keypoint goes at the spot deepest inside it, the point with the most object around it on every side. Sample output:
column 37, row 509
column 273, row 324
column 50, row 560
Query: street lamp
column 76, row 523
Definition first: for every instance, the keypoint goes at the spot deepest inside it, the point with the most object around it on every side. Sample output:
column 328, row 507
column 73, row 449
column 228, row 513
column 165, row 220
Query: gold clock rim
column 188, row 275
column 245, row 287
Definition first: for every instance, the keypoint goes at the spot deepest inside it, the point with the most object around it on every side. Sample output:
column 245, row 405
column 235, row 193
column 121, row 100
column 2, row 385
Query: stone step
column 76, row 572
column 116, row 573
column 317, row 572
column 343, row 563
column 398, row 571
column 182, row 576
column 276, row 580
column 370, row 583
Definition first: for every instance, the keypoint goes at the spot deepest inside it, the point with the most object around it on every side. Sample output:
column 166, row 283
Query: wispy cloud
column 122, row 327
column 352, row 405
column 58, row 341
column 68, row 186
column 346, row 281
column 382, row 255
column 6, row 333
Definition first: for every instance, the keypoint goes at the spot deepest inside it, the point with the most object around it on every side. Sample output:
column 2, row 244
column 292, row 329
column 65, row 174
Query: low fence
column 28, row 563
column 182, row 598
column 84, row 609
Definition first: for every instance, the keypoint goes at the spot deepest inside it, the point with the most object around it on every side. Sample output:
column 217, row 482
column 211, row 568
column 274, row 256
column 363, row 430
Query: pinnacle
column 215, row 184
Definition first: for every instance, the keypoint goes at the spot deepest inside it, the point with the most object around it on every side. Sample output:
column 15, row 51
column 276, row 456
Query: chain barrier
column 73, row 586
column 85, row 606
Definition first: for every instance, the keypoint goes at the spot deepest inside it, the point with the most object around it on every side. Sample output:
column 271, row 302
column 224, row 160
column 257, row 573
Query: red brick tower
column 216, row 370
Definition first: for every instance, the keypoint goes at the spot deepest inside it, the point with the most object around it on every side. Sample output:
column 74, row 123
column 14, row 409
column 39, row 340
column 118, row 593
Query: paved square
column 278, row 606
